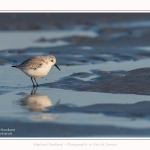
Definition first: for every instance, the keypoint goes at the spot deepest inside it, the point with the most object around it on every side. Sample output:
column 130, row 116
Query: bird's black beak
column 57, row 66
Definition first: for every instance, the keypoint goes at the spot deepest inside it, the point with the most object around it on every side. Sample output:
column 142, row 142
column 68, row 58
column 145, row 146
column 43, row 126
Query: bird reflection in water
column 36, row 101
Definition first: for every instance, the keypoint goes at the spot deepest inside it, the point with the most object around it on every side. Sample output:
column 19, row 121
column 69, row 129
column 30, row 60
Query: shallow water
column 25, row 107
column 20, row 103
column 66, row 106
column 25, row 39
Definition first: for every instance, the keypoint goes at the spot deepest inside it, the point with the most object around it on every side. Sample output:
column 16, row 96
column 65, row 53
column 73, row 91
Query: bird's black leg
column 36, row 82
column 32, row 82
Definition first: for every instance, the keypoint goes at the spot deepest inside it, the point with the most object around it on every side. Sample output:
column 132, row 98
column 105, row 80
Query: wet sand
column 125, row 82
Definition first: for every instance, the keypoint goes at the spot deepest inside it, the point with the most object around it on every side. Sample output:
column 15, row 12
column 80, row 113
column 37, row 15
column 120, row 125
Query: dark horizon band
column 57, row 66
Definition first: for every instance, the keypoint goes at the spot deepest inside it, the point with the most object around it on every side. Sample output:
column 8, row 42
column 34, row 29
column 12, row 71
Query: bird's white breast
column 39, row 72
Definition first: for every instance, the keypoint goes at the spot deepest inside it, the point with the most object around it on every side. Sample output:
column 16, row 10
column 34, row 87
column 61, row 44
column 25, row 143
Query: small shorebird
column 37, row 67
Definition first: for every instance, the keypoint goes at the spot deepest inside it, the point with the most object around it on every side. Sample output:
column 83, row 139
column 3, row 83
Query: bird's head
column 52, row 60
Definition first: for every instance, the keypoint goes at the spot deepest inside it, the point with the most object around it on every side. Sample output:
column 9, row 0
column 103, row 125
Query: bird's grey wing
column 31, row 63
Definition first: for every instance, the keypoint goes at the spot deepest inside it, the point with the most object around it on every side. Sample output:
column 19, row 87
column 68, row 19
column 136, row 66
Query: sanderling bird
column 37, row 67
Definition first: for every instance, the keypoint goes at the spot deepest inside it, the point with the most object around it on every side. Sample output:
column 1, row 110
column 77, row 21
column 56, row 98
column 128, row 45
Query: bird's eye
column 51, row 60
